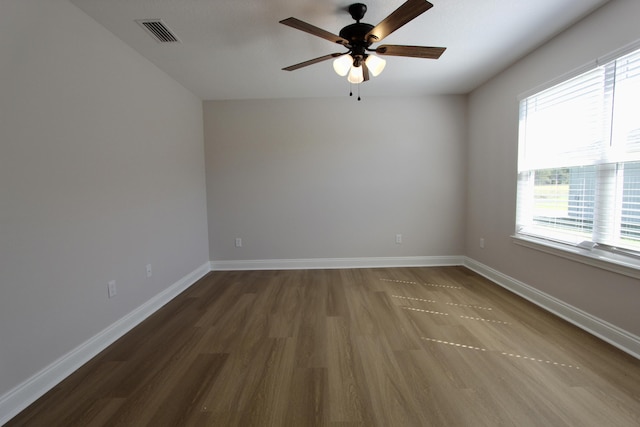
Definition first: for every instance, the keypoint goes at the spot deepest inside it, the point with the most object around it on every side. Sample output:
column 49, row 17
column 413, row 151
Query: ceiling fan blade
column 313, row 30
column 312, row 61
column 411, row 51
column 405, row 13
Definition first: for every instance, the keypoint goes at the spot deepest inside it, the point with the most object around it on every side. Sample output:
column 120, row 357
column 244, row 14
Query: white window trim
column 626, row 265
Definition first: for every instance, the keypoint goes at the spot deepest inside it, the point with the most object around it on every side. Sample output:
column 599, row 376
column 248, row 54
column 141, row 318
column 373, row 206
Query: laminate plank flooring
column 355, row 347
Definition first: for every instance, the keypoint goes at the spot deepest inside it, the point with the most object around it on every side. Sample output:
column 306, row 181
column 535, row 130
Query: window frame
column 626, row 262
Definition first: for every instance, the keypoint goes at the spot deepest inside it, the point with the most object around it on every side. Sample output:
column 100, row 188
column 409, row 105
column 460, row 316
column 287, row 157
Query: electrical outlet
column 238, row 242
column 398, row 239
column 148, row 270
column 111, row 289
column 482, row 243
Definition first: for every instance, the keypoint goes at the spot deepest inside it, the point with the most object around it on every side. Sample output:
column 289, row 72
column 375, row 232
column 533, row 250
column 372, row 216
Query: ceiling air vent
column 158, row 30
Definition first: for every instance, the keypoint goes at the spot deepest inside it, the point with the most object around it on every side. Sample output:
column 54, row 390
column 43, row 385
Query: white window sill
column 617, row 263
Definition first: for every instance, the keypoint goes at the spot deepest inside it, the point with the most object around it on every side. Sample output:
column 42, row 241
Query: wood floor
column 362, row 347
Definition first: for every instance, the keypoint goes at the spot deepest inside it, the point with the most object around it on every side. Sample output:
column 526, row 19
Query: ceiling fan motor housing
column 356, row 33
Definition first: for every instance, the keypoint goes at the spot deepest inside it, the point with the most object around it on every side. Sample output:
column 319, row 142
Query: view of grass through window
column 564, row 198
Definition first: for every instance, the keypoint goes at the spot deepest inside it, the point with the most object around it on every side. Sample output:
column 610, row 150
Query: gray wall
column 101, row 172
column 493, row 147
column 334, row 178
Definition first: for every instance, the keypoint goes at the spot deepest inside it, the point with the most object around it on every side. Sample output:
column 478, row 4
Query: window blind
column 564, row 125
column 579, row 159
column 626, row 110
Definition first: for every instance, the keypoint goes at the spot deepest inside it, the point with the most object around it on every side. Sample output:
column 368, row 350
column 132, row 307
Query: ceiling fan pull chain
column 350, row 90
column 358, row 91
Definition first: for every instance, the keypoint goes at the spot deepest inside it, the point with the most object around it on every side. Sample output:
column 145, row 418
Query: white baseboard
column 334, row 263
column 625, row 341
column 21, row 396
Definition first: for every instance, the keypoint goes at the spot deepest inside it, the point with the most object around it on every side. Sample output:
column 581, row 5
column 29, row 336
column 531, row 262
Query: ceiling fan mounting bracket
column 357, row 11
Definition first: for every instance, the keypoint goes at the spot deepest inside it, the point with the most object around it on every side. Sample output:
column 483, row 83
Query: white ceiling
column 235, row 49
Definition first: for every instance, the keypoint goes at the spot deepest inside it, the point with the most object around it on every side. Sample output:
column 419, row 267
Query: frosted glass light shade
column 375, row 64
column 355, row 75
column 342, row 64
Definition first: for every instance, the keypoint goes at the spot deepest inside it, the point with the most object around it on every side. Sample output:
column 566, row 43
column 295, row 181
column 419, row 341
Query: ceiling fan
column 358, row 38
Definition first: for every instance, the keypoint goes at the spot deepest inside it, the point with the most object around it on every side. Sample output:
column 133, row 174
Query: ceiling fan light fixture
column 375, row 64
column 355, row 75
column 342, row 64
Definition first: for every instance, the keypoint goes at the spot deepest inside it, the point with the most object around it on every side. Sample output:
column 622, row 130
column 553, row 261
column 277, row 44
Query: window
column 579, row 161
